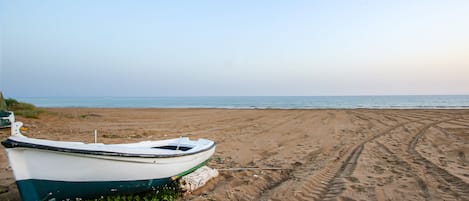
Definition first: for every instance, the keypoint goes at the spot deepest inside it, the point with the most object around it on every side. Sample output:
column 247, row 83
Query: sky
column 233, row 48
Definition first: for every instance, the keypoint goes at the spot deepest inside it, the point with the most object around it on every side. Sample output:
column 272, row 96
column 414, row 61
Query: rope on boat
column 201, row 176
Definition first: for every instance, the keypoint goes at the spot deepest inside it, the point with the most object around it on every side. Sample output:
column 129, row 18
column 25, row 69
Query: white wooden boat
column 46, row 169
column 4, row 120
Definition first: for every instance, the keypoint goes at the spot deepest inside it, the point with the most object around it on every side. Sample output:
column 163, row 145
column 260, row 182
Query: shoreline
column 260, row 102
column 269, row 108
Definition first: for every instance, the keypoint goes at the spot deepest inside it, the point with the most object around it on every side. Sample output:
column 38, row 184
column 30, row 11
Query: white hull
column 30, row 163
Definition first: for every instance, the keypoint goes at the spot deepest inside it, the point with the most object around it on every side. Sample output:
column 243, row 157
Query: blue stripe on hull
column 34, row 189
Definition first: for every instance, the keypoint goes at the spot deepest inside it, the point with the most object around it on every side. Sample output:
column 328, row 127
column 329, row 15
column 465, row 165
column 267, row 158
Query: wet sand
column 323, row 154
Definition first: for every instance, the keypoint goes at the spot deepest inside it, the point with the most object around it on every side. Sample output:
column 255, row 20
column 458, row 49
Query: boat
column 56, row 170
column 4, row 121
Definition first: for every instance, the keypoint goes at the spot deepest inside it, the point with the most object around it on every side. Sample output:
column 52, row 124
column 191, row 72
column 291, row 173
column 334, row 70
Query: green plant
column 23, row 109
column 169, row 192
column 3, row 105
column 218, row 159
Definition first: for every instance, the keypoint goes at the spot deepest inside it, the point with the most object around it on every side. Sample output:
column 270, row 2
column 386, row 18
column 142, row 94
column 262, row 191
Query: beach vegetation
column 169, row 192
column 218, row 159
column 3, row 105
column 23, row 109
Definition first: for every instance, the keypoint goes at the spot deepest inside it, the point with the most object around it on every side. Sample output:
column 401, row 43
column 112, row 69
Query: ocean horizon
column 259, row 102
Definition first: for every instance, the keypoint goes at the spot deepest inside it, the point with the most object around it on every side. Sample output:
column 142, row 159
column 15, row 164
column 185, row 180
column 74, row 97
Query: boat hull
column 45, row 174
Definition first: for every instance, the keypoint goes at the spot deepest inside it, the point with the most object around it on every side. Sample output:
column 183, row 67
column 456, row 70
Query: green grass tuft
column 23, row 109
column 168, row 192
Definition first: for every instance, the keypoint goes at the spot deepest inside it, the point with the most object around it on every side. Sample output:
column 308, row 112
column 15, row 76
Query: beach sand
column 322, row 154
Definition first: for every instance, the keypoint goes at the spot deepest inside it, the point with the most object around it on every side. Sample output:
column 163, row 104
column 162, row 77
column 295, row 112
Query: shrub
column 3, row 105
column 23, row 109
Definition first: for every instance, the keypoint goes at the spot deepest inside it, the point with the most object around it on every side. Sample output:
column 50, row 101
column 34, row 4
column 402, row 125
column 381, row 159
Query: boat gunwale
column 9, row 143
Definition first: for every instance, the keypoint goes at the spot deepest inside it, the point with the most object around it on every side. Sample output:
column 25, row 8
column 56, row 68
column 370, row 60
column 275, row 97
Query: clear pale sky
column 187, row 48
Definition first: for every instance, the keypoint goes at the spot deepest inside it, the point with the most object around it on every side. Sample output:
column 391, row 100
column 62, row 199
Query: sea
column 259, row 102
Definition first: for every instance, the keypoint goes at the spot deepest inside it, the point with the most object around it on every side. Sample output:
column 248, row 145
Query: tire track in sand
column 328, row 183
column 454, row 184
column 264, row 179
column 331, row 187
column 449, row 186
column 406, row 165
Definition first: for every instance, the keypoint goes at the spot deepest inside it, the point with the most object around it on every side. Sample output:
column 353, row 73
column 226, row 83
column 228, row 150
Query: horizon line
column 182, row 96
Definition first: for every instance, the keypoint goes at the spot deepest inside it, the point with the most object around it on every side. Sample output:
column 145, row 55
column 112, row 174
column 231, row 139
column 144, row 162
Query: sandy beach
column 355, row 154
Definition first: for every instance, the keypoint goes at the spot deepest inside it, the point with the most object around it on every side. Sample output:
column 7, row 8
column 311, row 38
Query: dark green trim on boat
column 4, row 113
column 35, row 189
column 189, row 170
column 4, row 123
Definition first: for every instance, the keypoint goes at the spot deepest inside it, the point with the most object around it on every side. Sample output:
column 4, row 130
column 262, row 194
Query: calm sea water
column 246, row 102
